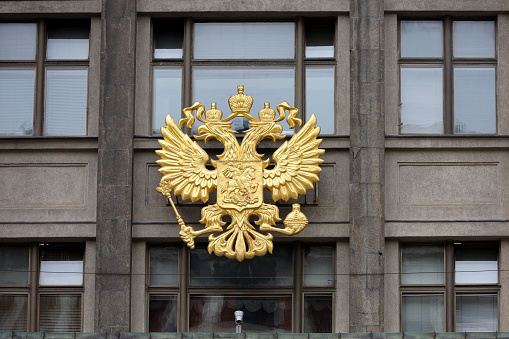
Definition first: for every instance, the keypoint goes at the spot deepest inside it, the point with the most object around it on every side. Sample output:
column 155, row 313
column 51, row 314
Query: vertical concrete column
column 114, row 192
column 367, row 166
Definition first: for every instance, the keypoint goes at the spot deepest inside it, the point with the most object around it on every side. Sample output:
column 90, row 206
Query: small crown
column 213, row 114
column 267, row 113
column 240, row 103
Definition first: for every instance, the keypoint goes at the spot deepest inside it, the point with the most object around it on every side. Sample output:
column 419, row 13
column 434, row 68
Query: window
column 469, row 289
column 44, row 91
column 264, row 288
column 205, row 61
column 448, row 77
column 41, row 287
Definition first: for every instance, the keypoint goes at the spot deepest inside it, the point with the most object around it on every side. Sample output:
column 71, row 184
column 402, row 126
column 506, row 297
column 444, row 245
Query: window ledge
column 48, row 142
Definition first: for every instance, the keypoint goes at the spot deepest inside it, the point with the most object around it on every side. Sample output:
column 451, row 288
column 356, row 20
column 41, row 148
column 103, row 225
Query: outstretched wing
column 296, row 164
column 183, row 164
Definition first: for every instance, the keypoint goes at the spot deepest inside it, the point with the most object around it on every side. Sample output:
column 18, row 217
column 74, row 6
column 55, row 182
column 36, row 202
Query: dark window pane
column 422, row 265
column 60, row 313
column 475, row 100
column 162, row 313
column 14, row 265
column 318, row 314
column 163, row 265
column 268, row 270
column 474, row 39
column 17, row 101
column 476, row 313
column 261, row 313
column 61, row 265
column 168, row 41
column 476, row 265
column 66, row 101
column 69, row 42
column 421, row 39
column 17, row 41
column 13, row 312
column 320, row 40
column 320, row 96
column 422, row 313
column 319, row 266
column 167, row 96
column 244, row 40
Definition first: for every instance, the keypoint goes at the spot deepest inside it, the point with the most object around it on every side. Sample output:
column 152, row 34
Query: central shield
column 239, row 184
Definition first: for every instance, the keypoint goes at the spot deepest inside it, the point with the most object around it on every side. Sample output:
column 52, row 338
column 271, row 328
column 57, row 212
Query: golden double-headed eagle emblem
column 240, row 174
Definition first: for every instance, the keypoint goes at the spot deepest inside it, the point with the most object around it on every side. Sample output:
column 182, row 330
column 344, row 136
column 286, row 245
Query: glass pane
column 60, row 313
column 162, row 313
column 422, row 313
column 244, row 40
column 474, row 39
column 422, row 265
column 264, row 84
column 475, row 100
column 319, row 266
column 61, row 265
column 421, row 100
column 317, row 314
column 476, row 265
column 17, row 41
column 66, row 101
column 68, row 42
column 168, row 42
column 261, row 313
column 17, row 101
column 13, row 265
column 268, row 270
column 320, row 96
column 476, row 313
column 421, row 39
column 164, row 265
column 320, row 40
column 13, row 312
column 167, row 96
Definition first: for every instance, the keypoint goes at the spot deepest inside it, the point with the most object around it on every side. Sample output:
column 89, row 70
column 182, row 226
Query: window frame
column 448, row 63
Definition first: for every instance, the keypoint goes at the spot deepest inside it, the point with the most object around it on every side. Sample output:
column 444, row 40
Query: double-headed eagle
column 240, row 174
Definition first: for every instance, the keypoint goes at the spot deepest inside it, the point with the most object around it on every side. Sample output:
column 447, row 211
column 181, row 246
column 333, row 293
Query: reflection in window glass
column 474, row 100
column 320, row 96
column 422, row 265
column 61, row 266
column 17, row 101
column 421, row 100
column 244, row 40
column 269, row 313
column 66, row 101
column 17, row 41
column 476, row 313
column 267, row 270
column 60, row 313
column 163, row 265
column 13, row 312
column 68, row 42
column 320, row 41
column 264, row 84
column 13, row 265
column 476, row 265
column 421, row 39
column 162, row 313
column 168, row 42
column 422, row 313
column 319, row 266
column 167, row 96
column 474, row 39
column 317, row 313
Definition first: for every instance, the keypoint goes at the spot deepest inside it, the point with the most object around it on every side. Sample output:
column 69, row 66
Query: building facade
column 408, row 225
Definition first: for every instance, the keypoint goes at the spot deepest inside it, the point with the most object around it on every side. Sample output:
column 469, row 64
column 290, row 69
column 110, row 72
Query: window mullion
column 34, row 282
column 449, row 287
column 188, row 57
column 184, row 282
column 40, row 77
column 299, row 66
column 448, row 76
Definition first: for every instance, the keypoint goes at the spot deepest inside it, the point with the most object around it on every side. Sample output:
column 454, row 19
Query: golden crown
column 240, row 103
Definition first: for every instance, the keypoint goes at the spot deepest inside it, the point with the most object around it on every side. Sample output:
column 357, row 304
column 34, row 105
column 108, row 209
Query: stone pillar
column 115, row 158
column 367, row 166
